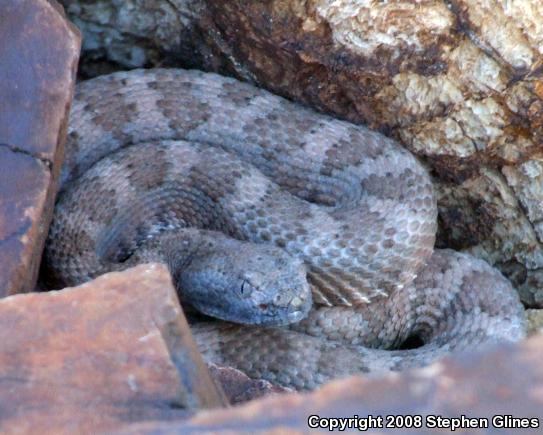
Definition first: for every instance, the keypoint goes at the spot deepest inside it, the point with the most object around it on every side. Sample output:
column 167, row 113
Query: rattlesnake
column 263, row 209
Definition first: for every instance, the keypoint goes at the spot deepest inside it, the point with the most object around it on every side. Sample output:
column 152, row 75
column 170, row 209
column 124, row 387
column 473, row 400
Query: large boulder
column 506, row 381
column 92, row 358
column 38, row 62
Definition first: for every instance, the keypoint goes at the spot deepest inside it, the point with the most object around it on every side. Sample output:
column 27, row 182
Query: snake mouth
column 266, row 313
column 271, row 316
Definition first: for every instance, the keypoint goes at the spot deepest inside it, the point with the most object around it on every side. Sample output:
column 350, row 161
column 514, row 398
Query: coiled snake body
column 268, row 213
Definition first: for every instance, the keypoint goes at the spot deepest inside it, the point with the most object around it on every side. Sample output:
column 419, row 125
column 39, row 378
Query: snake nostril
column 263, row 306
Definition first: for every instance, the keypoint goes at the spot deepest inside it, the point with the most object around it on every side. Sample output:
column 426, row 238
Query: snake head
column 244, row 282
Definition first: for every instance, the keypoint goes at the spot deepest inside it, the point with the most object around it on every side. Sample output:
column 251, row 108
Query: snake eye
column 245, row 289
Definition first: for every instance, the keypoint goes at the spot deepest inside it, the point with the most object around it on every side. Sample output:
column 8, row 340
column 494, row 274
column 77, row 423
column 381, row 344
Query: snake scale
column 316, row 232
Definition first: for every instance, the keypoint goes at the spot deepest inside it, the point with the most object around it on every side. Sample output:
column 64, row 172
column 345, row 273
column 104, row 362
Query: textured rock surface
column 137, row 33
column 507, row 380
column 458, row 82
column 89, row 358
column 38, row 58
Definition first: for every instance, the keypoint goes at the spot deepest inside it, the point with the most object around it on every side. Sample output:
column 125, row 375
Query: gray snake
column 268, row 213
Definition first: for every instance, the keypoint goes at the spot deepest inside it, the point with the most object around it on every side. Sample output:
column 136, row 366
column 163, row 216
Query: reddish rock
column 90, row 358
column 38, row 61
column 504, row 380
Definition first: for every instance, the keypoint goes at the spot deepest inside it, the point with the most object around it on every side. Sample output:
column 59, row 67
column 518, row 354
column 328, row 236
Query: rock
column 239, row 388
column 535, row 321
column 38, row 61
column 137, row 33
column 457, row 82
column 90, row 358
column 506, row 380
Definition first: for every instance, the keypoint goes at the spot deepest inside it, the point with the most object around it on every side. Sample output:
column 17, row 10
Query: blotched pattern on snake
column 268, row 213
